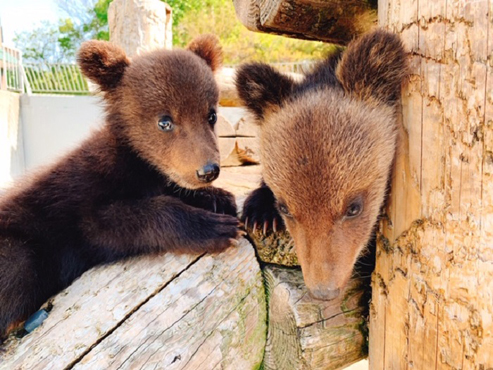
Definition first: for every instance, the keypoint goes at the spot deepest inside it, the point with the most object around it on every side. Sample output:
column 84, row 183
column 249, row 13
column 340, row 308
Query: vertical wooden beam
column 432, row 300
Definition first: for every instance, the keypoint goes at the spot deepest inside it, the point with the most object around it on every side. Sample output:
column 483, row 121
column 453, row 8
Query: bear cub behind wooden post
column 327, row 147
column 141, row 184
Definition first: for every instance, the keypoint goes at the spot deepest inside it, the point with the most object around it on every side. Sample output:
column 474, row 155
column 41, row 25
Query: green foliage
column 59, row 43
column 240, row 44
column 41, row 44
column 88, row 19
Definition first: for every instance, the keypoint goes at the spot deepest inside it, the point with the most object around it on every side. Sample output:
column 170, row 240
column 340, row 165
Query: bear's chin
column 187, row 183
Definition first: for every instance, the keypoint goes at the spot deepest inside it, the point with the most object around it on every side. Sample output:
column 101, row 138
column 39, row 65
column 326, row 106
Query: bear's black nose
column 208, row 173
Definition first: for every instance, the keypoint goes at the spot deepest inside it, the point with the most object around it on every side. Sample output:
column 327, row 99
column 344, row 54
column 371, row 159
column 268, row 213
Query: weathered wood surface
column 335, row 21
column 432, row 303
column 140, row 25
column 308, row 334
column 239, row 180
column 159, row 312
column 228, row 96
column 237, row 138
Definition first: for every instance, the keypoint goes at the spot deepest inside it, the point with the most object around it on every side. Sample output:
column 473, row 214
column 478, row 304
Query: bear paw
column 218, row 232
column 259, row 210
column 214, row 200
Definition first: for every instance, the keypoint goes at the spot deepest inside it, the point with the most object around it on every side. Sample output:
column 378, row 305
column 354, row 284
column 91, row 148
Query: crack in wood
column 129, row 314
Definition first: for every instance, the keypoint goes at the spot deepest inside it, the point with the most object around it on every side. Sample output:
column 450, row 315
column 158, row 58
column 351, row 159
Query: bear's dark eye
column 212, row 117
column 165, row 124
column 284, row 210
column 355, row 208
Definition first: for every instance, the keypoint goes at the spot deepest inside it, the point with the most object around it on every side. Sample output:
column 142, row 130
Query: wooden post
column 432, row 303
column 140, row 25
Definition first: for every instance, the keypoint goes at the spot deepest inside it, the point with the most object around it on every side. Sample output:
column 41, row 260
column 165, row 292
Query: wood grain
column 334, row 21
column 151, row 310
column 433, row 285
column 305, row 333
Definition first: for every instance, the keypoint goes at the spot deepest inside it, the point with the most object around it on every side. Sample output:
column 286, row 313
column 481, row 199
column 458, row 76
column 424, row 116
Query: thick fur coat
column 327, row 147
column 139, row 185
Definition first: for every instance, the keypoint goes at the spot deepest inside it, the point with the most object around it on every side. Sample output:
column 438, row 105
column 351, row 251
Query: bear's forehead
column 180, row 77
column 329, row 142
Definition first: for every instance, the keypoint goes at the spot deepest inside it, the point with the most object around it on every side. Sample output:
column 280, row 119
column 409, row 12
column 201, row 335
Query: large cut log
column 432, row 302
column 308, row 334
column 335, row 21
column 159, row 312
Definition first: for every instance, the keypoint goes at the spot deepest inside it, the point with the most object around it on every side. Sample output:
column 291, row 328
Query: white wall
column 54, row 124
column 11, row 148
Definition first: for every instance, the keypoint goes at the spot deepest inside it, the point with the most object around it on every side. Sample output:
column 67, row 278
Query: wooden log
column 166, row 312
column 334, row 21
column 228, row 96
column 246, row 127
column 233, row 115
column 223, row 127
column 140, row 25
column 248, row 149
column 239, row 180
column 227, row 148
column 432, row 299
column 308, row 334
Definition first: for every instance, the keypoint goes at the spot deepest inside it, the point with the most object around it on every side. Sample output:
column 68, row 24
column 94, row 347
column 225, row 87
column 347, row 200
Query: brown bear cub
column 327, row 147
column 139, row 185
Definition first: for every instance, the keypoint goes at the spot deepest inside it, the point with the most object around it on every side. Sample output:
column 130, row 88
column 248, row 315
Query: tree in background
column 88, row 19
column 240, row 44
column 54, row 43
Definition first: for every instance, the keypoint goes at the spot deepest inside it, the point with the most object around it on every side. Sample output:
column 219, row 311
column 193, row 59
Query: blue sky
column 24, row 15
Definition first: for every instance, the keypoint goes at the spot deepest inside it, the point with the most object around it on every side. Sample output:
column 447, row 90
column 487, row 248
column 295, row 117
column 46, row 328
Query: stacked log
column 305, row 333
column 167, row 312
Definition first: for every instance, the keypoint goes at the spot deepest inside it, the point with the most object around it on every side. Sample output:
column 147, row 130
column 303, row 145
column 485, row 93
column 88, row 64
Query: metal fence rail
column 11, row 77
column 65, row 78
column 55, row 78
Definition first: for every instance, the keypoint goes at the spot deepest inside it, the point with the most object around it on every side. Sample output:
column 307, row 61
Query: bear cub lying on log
column 139, row 185
column 327, row 147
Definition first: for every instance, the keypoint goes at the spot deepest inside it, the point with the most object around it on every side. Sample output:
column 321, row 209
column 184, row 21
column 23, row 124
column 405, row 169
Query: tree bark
column 334, row 21
column 433, row 283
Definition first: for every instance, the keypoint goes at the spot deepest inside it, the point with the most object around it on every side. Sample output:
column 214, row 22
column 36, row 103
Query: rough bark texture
column 335, row 21
column 308, row 334
column 140, row 25
column 277, row 248
column 433, row 284
column 167, row 312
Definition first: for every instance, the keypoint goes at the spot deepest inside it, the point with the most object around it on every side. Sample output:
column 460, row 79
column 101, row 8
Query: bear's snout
column 208, row 173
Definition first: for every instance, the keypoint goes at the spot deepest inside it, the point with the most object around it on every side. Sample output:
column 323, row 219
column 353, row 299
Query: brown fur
column 129, row 189
column 328, row 144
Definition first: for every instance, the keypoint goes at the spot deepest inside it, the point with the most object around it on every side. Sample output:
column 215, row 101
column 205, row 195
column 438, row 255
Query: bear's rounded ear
column 103, row 63
column 374, row 67
column 261, row 87
column 208, row 48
